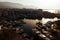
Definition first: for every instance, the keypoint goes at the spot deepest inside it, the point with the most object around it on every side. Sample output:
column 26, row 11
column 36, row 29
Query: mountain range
column 14, row 5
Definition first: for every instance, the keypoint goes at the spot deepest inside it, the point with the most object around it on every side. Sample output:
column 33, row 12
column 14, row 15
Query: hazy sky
column 43, row 4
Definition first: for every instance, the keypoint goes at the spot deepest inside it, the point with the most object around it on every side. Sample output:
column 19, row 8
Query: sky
column 42, row 4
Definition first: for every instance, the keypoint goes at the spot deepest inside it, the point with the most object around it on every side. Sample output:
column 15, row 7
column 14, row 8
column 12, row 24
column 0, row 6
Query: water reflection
column 43, row 31
column 34, row 26
column 30, row 22
column 43, row 21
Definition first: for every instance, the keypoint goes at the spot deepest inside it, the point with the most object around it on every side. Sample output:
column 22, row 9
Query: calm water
column 30, row 23
column 43, row 21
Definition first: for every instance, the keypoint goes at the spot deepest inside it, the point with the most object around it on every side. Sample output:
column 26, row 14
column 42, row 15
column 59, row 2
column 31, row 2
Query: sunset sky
column 43, row 4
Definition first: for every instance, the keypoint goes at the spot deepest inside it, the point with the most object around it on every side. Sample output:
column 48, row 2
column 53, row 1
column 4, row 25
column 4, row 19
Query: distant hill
column 14, row 5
